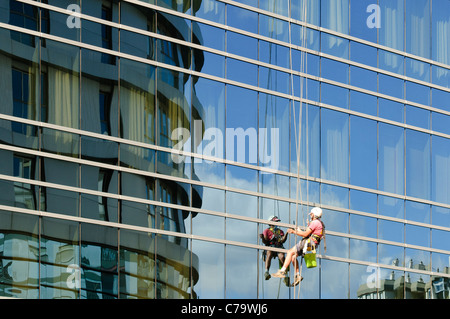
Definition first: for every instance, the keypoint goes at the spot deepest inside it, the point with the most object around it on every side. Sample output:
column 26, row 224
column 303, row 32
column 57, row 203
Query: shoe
column 279, row 274
column 267, row 275
column 297, row 280
column 286, row 281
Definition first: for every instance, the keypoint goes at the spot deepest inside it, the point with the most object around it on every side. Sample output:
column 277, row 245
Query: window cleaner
column 313, row 234
column 273, row 236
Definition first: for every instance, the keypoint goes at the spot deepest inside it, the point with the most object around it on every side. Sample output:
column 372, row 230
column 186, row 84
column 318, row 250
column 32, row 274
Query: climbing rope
column 298, row 135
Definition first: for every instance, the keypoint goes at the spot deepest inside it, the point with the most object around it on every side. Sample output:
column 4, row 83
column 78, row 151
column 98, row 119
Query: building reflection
column 407, row 287
column 56, row 83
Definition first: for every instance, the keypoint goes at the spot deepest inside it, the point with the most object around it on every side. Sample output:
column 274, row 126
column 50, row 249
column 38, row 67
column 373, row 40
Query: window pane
column 418, row 180
column 418, row 26
column 334, row 143
column 390, row 161
column 363, row 152
column 210, row 263
column 391, row 34
column 440, row 170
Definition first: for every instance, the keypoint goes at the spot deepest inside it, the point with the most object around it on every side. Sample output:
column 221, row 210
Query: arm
column 300, row 232
column 264, row 239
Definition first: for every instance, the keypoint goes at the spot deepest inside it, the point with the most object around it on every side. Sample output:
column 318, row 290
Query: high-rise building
column 144, row 144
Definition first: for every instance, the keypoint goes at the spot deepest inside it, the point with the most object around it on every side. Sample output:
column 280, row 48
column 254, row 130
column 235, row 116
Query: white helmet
column 317, row 212
column 274, row 219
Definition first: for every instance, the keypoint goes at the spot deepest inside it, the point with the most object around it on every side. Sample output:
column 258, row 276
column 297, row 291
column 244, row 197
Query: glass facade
column 145, row 143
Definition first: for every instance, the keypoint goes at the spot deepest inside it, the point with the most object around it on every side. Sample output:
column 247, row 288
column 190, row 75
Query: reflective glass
column 392, row 32
column 137, row 105
column 334, row 95
column 278, row 7
column 243, row 72
column 417, row 116
column 364, row 103
column 137, row 157
column 20, row 249
column 334, row 195
column 417, row 16
column 440, row 170
column 417, row 235
column 332, row 286
column 310, row 139
column 209, row 265
column 439, row 262
column 212, row 10
column 242, row 45
column 390, row 86
column 392, row 231
column 99, row 207
column 391, row 255
column 273, row 28
column 391, row 62
column 241, row 284
column 274, row 54
column 440, row 76
column 60, row 172
column 337, row 46
column 242, row 19
column 360, row 16
column 173, row 265
column 210, row 225
column 306, row 10
column 363, row 53
column 418, row 179
column 363, row 251
column 173, row 26
column 440, row 31
column 439, row 239
column 363, row 152
column 363, row 226
column 242, row 126
column 417, row 69
column 335, row 15
column 137, row 265
column 273, row 135
column 391, row 158
column 363, row 201
column 391, row 110
column 99, row 261
column 334, row 146
column 99, row 94
column 418, row 93
column 440, row 216
column 440, row 99
column 390, row 206
column 440, row 122
column 61, row 273
column 274, row 80
column 363, row 78
column 181, row 6
column 61, row 143
column 334, row 70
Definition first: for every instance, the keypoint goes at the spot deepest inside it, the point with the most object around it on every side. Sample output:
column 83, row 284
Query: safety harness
column 277, row 235
column 318, row 238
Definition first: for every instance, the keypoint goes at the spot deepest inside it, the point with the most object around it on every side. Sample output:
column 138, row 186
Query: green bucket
column 310, row 260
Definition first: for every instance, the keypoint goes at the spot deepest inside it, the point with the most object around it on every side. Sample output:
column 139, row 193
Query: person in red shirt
column 273, row 237
column 315, row 231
